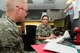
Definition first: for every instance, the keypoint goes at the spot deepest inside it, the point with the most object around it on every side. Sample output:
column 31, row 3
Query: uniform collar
column 44, row 26
column 9, row 19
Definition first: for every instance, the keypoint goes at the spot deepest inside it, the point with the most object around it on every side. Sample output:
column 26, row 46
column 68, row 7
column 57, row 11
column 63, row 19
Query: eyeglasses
column 23, row 9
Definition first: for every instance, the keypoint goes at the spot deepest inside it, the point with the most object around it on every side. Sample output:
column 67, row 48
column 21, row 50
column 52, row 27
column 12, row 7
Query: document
column 59, row 48
column 55, row 40
column 77, row 46
column 53, row 45
column 66, row 34
column 59, row 39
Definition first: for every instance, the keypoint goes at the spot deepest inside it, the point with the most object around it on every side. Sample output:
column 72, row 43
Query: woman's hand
column 51, row 37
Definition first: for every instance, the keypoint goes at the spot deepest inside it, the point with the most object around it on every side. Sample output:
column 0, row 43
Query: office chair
column 29, row 38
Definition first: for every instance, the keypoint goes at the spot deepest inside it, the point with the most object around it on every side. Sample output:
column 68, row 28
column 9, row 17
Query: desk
column 39, row 47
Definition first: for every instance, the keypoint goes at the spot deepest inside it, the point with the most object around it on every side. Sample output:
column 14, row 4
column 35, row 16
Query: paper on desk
column 59, row 39
column 66, row 34
column 77, row 46
column 55, row 40
column 59, row 48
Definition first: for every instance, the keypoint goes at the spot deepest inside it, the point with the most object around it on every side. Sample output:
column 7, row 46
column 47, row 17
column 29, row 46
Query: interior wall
column 55, row 14
column 36, row 14
column 3, row 5
column 1, row 13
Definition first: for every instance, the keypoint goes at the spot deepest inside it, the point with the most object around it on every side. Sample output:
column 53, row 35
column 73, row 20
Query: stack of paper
column 59, row 48
column 55, row 40
column 77, row 46
column 59, row 39
column 52, row 45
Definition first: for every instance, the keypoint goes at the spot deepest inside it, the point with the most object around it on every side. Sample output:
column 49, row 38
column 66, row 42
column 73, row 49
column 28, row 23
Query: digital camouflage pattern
column 43, row 31
column 10, row 40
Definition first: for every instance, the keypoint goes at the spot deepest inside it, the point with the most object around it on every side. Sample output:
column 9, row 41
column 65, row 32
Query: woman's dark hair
column 45, row 16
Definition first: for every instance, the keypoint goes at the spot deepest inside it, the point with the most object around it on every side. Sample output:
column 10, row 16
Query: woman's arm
column 52, row 36
column 41, row 38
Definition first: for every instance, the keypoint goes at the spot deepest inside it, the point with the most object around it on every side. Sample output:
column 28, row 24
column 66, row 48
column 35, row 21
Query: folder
column 39, row 48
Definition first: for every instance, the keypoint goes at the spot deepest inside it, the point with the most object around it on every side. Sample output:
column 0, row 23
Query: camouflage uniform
column 43, row 31
column 10, row 40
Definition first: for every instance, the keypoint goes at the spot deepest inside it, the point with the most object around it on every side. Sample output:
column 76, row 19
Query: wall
column 55, row 14
column 1, row 13
column 3, row 5
column 36, row 14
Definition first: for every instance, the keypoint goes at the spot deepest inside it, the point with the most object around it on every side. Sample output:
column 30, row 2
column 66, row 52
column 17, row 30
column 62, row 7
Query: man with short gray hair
column 10, row 39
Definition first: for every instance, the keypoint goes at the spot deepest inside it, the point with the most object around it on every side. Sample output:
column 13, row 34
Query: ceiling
column 47, row 4
column 40, row 4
